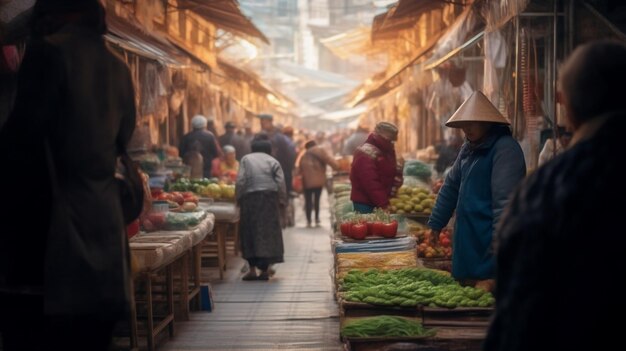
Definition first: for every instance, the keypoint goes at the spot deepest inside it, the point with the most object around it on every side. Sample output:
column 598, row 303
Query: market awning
column 392, row 78
column 401, row 16
column 412, row 8
column 235, row 73
column 133, row 38
column 357, row 41
column 473, row 40
column 466, row 30
column 225, row 14
column 342, row 115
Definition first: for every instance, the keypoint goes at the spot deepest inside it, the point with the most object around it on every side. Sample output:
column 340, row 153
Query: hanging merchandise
column 531, row 91
column 495, row 58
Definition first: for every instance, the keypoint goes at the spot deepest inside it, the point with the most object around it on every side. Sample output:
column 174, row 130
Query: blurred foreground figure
column 560, row 245
column 64, row 273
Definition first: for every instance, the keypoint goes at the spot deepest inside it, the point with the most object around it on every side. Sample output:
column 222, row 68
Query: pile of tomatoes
column 441, row 249
column 360, row 229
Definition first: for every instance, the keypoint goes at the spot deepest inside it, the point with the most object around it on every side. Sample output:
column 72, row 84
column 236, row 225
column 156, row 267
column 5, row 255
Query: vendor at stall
column 376, row 174
column 488, row 168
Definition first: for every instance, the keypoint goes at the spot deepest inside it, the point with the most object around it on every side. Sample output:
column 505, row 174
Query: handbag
column 296, row 183
column 131, row 187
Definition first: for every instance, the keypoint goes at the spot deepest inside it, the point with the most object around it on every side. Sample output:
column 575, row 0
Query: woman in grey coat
column 260, row 192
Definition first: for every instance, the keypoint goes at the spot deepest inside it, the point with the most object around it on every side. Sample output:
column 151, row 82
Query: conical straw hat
column 477, row 108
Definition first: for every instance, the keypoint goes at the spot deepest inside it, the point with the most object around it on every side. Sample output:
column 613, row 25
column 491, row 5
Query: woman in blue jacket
column 487, row 169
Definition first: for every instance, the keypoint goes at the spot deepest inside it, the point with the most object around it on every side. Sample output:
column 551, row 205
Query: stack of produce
column 362, row 226
column 441, row 249
column 411, row 287
column 206, row 188
column 364, row 260
column 341, row 201
column 154, row 221
column 384, row 326
column 412, row 200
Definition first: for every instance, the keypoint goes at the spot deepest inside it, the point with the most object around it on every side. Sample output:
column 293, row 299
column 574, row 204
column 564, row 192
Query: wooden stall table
column 226, row 219
column 156, row 256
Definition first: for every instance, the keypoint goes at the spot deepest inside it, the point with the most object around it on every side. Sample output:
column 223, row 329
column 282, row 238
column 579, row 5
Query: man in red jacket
column 375, row 173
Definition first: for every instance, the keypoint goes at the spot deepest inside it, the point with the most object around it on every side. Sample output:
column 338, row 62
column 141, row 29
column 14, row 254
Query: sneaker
column 308, row 225
column 318, row 223
column 271, row 271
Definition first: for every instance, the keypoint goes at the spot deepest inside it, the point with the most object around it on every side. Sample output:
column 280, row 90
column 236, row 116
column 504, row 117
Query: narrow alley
column 295, row 310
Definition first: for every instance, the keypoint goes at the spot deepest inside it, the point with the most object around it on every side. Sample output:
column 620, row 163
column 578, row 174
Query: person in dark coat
column 261, row 193
column 206, row 139
column 561, row 248
column 64, row 272
column 283, row 149
column 489, row 166
column 356, row 139
column 376, row 174
column 231, row 138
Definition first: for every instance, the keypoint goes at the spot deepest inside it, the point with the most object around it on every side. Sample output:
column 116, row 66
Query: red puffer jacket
column 375, row 174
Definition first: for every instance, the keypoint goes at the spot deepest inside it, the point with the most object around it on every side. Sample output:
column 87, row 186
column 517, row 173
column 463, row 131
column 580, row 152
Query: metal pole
column 517, row 73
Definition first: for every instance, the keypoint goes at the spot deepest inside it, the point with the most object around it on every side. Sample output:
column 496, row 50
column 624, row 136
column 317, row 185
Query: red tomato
column 444, row 241
column 377, row 228
column 390, row 229
column 359, row 231
column 345, row 228
column 164, row 197
column 370, row 228
column 157, row 219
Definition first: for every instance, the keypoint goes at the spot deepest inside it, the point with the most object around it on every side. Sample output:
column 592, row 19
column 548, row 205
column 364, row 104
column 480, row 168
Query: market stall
column 396, row 288
column 162, row 258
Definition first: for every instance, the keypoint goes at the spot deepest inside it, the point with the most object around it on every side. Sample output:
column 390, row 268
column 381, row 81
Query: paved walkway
column 295, row 310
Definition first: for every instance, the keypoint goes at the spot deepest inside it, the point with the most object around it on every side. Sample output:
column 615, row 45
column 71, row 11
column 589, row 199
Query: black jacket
column 560, row 256
column 79, row 96
column 207, row 144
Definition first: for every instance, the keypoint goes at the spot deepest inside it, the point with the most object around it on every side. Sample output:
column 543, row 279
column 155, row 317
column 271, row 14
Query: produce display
column 417, row 169
column 442, row 248
column 384, row 326
column 154, row 221
column 361, row 226
column 205, row 187
column 347, row 262
column 410, row 287
column 341, row 204
column 178, row 201
column 412, row 200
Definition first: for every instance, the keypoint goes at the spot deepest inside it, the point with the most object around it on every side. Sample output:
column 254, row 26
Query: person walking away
column 231, row 138
column 64, row 274
column 193, row 158
column 283, row 149
column 207, row 141
column 375, row 173
column 312, row 166
column 260, row 191
column 559, row 241
column 356, row 139
column 489, row 166
column 247, row 136
column 551, row 149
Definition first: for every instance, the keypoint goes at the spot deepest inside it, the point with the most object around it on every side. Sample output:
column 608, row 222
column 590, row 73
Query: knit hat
column 198, row 122
column 387, row 130
column 265, row 116
column 229, row 125
column 477, row 108
column 228, row 149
